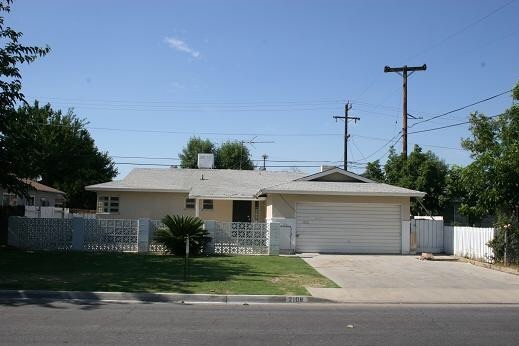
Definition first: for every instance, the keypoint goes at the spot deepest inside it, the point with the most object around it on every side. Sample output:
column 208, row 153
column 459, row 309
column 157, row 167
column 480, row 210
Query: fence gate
column 429, row 235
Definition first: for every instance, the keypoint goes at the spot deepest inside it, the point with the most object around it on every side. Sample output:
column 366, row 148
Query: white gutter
column 133, row 189
column 345, row 193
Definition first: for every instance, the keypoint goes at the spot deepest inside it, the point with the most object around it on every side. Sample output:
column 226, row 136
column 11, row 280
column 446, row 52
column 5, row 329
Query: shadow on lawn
column 117, row 272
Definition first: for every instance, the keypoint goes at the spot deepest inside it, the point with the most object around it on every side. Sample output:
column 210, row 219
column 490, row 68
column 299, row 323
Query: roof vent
column 326, row 168
column 205, row 161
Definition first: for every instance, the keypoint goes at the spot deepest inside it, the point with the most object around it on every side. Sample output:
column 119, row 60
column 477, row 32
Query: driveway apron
column 406, row 279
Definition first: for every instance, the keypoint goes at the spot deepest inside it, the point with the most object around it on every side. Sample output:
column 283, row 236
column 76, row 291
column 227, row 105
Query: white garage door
column 348, row 228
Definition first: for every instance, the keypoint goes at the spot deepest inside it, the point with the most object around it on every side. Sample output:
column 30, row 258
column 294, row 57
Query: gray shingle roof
column 235, row 184
column 216, row 183
column 341, row 188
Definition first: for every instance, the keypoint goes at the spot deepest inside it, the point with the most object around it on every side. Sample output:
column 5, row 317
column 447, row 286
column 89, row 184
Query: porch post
column 197, row 207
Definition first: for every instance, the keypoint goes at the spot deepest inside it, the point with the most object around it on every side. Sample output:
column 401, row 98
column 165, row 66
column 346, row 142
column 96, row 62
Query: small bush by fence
column 506, row 241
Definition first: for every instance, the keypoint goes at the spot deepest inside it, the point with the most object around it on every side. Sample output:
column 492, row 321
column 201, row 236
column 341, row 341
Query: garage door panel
column 347, row 222
column 348, row 228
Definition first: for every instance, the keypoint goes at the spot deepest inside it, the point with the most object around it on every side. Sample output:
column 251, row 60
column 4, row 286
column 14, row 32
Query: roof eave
column 344, row 193
column 228, row 198
column 131, row 189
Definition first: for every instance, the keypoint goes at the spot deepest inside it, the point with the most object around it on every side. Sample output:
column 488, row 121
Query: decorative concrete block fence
column 136, row 235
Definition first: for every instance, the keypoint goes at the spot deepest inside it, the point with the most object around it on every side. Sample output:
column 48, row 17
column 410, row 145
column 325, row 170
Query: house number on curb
column 297, row 299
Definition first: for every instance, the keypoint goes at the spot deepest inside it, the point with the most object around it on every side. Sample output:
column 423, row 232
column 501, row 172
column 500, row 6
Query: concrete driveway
column 405, row 279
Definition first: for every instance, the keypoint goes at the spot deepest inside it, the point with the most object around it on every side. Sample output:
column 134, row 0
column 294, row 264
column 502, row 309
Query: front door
column 241, row 211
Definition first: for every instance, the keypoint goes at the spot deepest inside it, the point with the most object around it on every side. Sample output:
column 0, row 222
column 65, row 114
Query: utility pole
column 347, row 107
column 265, row 157
column 403, row 71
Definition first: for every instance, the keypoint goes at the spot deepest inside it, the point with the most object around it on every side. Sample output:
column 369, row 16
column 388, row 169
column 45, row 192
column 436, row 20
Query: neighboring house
column 39, row 196
column 332, row 211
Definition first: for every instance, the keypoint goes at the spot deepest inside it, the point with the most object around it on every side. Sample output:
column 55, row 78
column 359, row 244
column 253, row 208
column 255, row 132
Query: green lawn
column 82, row 271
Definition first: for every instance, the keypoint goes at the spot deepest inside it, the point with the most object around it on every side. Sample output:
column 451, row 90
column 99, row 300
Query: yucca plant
column 177, row 229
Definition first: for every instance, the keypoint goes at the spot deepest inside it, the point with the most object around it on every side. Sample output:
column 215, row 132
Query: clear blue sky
column 275, row 68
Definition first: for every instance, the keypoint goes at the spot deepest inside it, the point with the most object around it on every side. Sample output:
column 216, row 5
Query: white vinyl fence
column 470, row 242
column 135, row 235
column 433, row 236
column 54, row 213
column 429, row 235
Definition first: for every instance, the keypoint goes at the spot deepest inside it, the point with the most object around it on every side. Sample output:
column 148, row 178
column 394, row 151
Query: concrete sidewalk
column 405, row 279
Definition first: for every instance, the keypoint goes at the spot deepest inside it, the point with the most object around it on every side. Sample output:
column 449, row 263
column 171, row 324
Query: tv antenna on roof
column 251, row 142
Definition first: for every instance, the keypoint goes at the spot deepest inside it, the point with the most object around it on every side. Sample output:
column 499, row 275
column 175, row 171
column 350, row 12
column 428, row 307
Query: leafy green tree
column 68, row 158
column 177, row 229
column 420, row 171
column 195, row 146
column 233, row 155
column 374, row 172
column 492, row 179
column 230, row 155
column 15, row 157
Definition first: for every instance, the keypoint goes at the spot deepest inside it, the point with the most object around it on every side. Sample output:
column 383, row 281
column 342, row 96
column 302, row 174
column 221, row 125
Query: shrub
column 177, row 229
column 509, row 224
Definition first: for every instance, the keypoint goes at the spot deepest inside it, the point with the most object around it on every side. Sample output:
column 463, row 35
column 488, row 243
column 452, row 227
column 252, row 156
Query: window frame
column 190, row 203
column 207, row 204
column 108, row 204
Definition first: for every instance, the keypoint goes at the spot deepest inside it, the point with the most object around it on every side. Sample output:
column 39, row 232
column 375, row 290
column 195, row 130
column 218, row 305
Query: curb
column 178, row 298
column 490, row 266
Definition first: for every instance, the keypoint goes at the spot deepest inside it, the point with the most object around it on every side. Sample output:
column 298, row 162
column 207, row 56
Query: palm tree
column 177, row 229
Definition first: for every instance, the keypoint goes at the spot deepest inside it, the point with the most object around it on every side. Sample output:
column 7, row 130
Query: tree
column 492, row 179
column 230, row 155
column 233, row 155
column 68, row 158
column 177, row 229
column 374, row 172
column 13, row 163
column 195, row 146
column 420, row 171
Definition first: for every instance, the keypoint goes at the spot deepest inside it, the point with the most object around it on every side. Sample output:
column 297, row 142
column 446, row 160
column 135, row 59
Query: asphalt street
column 208, row 324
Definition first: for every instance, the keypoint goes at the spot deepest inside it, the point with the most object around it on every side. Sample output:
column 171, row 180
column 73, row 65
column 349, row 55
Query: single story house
column 333, row 211
column 40, row 195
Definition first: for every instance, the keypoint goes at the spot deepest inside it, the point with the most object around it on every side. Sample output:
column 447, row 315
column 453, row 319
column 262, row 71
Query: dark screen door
column 241, row 211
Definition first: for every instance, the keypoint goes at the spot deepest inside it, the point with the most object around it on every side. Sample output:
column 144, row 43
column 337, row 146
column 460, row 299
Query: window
column 190, row 203
column 30, row 201
column 208, row 204
column 9, row 199
column 59, row 202
column 44, row 202
column 108, row 204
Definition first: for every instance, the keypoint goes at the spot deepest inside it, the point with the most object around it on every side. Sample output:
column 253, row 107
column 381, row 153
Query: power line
column 447, row 38
column 463, row 29
column 461, row 108
column 200, row 133
column 385, row 145
column 447, row 126
column 272, row 166
column 204, row 106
